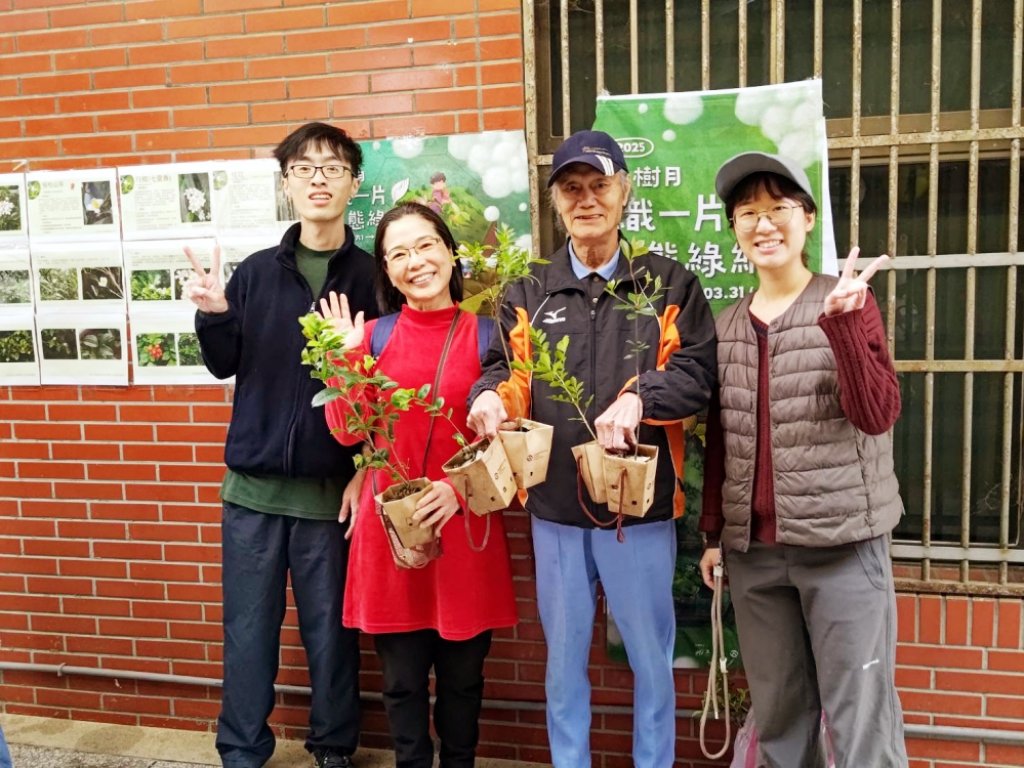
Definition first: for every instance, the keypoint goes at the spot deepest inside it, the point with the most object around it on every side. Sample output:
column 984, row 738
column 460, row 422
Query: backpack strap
column 386, row 324
column 382, row 332
column 484, row 332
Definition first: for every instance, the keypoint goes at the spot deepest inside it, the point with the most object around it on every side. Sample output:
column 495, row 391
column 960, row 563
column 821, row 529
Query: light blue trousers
column 637, row 579
column 5, row 756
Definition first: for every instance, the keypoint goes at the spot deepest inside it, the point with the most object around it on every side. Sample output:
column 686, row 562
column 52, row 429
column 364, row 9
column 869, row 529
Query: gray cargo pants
column 817, row 630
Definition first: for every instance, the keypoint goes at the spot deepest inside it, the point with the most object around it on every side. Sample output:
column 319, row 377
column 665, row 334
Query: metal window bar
column 941, row 136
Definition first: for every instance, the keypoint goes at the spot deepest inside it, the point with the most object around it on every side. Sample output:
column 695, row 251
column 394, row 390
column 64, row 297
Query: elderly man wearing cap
column 799, row 488
column 569, row 297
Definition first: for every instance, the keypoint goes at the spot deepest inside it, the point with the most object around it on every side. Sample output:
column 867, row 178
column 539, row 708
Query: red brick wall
column 148, row 81
column 109, row 521
column 961, row 664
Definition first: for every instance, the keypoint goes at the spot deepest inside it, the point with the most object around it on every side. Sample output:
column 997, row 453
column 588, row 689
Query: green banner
column 674, row 144
column 476, row 181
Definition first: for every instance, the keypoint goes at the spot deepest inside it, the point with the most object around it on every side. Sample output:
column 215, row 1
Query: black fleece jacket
column 274, row 429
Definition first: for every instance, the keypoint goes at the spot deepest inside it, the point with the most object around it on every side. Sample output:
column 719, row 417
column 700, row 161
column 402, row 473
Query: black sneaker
column 328, row 758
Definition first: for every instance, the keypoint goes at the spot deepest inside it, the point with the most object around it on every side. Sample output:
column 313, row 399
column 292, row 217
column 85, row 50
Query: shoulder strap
column 484, row 332
column 382, row 332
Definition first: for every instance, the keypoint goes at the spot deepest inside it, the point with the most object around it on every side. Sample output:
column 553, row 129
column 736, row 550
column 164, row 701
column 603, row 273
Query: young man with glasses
column 290, row 485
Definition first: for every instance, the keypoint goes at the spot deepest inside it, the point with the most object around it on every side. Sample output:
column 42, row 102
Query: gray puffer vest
column 833, row 483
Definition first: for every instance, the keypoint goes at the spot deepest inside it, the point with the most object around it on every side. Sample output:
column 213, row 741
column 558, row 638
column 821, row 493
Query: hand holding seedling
column 851, row 291
column 335, row 308
column 616, row 427
column 205, row 289
column 486, row 414
column 436, row 507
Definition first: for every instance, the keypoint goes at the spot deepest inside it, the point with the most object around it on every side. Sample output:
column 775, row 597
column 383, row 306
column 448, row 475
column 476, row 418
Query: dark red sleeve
column 711, row 520
column 869, row 392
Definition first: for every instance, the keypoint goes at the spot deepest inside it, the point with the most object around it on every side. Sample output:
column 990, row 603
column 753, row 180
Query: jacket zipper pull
column 312, row 306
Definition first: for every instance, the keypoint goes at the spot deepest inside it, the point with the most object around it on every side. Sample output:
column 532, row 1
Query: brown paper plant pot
column 589, row 458
column 528, row 446
column 481, row 472
column 630, row 480
column 400, row 508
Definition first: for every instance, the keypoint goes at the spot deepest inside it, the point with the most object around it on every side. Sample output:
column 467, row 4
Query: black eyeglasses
column 303, row 171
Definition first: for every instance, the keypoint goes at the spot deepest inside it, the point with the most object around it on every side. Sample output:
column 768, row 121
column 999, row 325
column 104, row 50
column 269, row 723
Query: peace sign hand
column 851, row 291
column 335, row 308
column 203, row 288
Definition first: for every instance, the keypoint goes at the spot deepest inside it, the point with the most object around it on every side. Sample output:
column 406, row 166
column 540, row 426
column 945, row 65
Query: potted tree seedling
column 478, row 470
column 349, row 378
column 629, row 475
column 624, row 481
column 526, row 442
column 481, row 472
column 548, row 365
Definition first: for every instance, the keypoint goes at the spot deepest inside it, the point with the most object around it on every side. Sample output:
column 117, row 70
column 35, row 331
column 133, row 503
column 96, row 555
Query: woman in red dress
column 440, row 616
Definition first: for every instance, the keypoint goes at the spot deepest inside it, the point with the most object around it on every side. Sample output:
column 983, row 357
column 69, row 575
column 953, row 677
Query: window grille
column 923, row 103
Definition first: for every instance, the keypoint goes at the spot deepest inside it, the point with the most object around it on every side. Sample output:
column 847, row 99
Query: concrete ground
column 39, row 742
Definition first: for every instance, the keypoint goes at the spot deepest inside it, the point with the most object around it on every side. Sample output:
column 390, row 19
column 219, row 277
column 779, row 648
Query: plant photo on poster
column 58, row 284
column 59, row 343
column 16, row 347
column 100, row 344
column 96, row 203
column 155, row 349
column 102, row 283
column 180, row 280
column 10, row 209
column 151, row 285
column 195, row 197
column 15, row 287
column 188, row 349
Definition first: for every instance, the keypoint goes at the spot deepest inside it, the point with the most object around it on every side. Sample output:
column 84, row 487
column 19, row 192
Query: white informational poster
column 165, row 350
column 167, row 201
column 13, row 218
column 249, row 198
column 73, row 205
column 19, row 356
column 78, row 276
column 157, row 272
column 83, row 347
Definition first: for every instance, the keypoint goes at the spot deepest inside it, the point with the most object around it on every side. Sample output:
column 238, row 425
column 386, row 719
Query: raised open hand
column 851, row 291
column 205, row 289
column 335, row 308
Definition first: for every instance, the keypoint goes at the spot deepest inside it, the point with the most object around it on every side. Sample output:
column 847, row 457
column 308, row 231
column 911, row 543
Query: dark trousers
column 259, row 551
column 817, row 629
column 458, row 665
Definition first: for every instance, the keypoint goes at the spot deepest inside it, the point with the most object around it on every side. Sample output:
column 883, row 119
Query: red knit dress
column 462, row 593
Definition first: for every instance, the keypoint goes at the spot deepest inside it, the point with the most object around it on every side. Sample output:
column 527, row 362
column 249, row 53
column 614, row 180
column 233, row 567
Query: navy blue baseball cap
column 595, row 148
